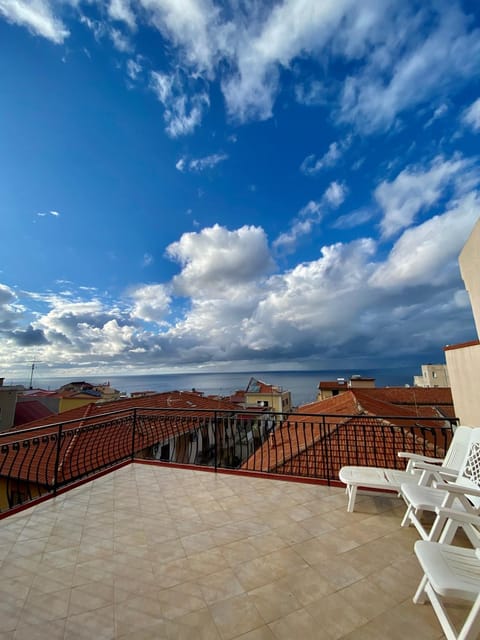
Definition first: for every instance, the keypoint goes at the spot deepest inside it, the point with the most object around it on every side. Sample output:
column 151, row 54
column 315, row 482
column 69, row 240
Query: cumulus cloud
column 428, row 253
column 471, row 116
column 151, row 303
column 417, row 188
column 215, row 260
column 200, row 164
column 29, row 337
column 10, row 309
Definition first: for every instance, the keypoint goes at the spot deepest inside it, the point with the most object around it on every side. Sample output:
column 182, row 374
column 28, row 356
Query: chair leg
column 352, row 494
column 406, row 518
column 420, row 596
column 471, row 626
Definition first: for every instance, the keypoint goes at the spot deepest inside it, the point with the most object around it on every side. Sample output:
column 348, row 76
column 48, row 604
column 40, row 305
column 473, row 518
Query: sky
column 196, row 185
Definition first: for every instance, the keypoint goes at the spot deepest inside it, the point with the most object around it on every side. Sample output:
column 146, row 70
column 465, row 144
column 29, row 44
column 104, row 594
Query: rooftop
column 154, row 552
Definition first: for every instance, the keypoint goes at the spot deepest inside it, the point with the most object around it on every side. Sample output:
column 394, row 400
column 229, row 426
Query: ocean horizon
column 303, row 385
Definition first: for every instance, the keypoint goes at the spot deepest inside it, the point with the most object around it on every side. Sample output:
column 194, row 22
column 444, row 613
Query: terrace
column 146, row 549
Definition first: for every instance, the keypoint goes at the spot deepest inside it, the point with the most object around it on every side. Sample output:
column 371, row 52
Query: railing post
column 215, row 439
column 57, row 459
column 327, row 452
column 134, row 428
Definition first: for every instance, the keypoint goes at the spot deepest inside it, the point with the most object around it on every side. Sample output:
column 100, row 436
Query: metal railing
column 43, row 460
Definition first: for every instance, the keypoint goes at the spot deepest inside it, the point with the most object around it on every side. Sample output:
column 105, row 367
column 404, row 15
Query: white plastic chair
column 450, row 573
column 454, row 503
column 420, row 469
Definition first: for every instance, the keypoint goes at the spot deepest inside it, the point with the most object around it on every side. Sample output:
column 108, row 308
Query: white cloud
column 183, row 111
column 200, row 164
column 439, row 112
column 311, row 165
column 55, row 214
column 151, row 303
column 314, row 303
column 428, row 254
column 400, row 55
column 134, row 68
column 121, row 10
column 193, row 26
column 417, row 188
column 353, row 219
column 335, row 194
column 407, row 71
column 215, row 260
column 308, row 216
column 120, row 41
column 471, row 116
column 37, row 16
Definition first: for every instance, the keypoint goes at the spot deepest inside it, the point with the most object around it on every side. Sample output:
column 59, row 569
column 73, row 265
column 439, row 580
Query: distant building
column 369, row 422
column 8, row 402
column 463, row 360
column 261, row 394
column 433, row 375
column 331, row 388
column 103, row 392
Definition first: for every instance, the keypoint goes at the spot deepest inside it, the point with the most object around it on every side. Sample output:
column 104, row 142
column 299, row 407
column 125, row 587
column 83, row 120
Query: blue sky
column 236, row 185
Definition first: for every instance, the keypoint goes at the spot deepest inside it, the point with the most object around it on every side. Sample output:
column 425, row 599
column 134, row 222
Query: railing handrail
column 247, row 412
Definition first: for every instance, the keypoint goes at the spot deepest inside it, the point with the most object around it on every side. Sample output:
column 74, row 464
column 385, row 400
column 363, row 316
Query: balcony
column 150, row 551
column 140, row 549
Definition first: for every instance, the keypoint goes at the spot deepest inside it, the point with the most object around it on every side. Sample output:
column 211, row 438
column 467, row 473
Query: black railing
column 40, row 461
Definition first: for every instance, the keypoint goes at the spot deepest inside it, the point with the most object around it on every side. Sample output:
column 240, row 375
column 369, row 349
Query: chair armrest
column 418, row 457
column 457, row 488
column 443, row 471
column 458, row 516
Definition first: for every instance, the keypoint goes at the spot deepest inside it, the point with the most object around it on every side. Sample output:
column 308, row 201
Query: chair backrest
column 469, row 474
column 458, row 449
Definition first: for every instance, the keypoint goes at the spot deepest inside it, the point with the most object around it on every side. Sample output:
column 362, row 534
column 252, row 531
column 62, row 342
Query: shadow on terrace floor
column 148, row 552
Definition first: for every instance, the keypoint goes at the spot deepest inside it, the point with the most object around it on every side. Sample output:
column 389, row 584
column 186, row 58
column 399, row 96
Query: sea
column 303, row 385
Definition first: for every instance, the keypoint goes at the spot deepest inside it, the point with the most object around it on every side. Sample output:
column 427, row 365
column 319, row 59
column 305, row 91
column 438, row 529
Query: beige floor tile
column 220, row 586
column 98, row 624
column 336, row 617
column 274, row 600
column 269, row 568
column 236, row 616
column 198, row 625
column 41, row 631
column 262, row 633
column 299, row 624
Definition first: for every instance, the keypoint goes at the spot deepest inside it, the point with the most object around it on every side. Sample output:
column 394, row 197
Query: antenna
column 30, row 386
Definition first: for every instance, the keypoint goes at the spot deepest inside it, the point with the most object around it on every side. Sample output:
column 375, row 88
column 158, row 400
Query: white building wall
column 463, row 367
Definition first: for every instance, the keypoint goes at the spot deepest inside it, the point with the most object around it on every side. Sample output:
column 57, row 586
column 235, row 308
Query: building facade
column 463, row 360
column 433, row 375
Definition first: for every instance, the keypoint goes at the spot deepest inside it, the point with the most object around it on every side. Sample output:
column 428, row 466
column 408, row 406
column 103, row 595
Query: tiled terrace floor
column 158, row 553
